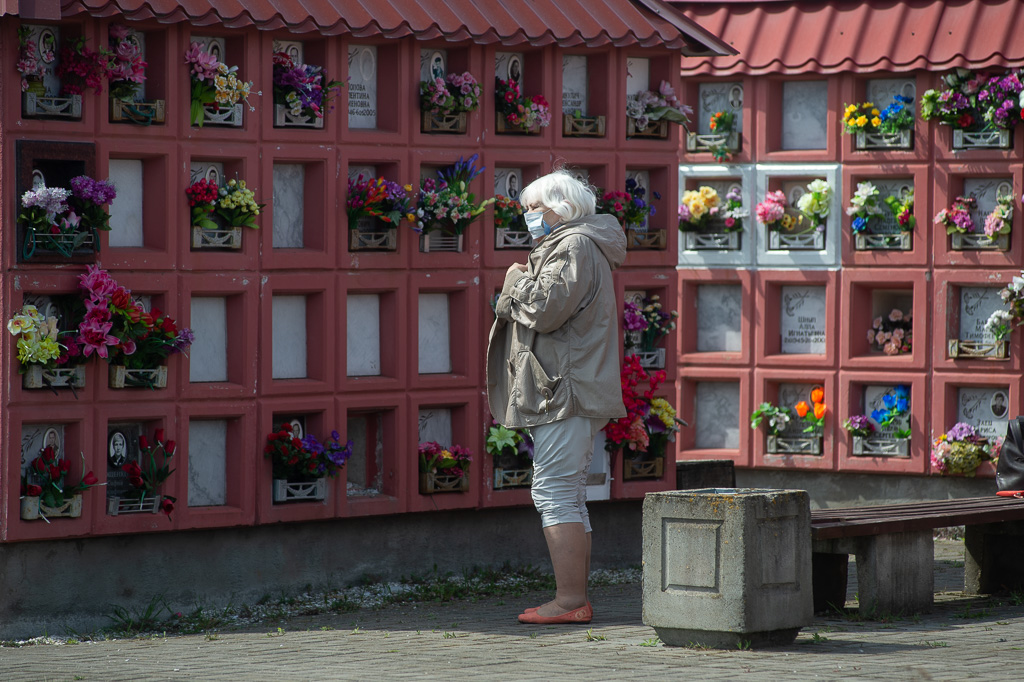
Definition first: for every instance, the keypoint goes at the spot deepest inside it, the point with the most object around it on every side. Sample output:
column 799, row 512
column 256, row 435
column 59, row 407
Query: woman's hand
column 515, row 266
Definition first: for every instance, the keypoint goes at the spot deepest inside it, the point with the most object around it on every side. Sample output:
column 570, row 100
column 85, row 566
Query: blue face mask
column 536, row 224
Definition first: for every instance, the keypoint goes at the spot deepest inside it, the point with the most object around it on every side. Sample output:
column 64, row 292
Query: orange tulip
column 817, row 395
column 801, row 409
column 819, row 410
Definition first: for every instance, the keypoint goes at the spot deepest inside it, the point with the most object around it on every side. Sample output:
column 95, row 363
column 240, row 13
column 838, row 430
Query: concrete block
column 724, row 566
column 895, row 573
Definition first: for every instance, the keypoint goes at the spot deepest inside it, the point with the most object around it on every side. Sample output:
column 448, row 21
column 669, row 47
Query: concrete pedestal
column 725, row 566
column 993, row 556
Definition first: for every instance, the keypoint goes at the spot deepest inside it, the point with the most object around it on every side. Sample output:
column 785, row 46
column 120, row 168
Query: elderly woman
column 553, row 367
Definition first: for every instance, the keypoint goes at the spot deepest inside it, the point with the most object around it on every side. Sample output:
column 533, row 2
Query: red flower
column 159, row 436
column 121, row 299
column 48, row 454
column 54, row 472
column 143, row 442
column 167, row 506
column 65, row 466
column 132, row 469
column 33, row 491
column 296, row 442
column 170, row 446
column 136, row 481
column 90, row 479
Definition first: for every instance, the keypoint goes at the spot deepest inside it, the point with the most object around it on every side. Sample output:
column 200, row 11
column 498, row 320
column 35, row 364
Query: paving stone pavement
column 962, row 638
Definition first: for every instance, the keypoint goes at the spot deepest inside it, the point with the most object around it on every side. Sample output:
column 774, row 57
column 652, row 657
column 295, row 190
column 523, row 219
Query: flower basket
column 657, row 130
column 283, row 118
column 60, row 245
column 881, row 447
column 865, row 141
column 299, row 491
column 645, row 239
column 904, row 241
column 436, row 240
column 979, row 350
column 117, row 506
column 711, row 241
column 436, row 122
column 229, row 238
column 37, row 376
column 505, row 238
column 809, row 241
column 504, row 128
column 122, row 377
column 379, row 238
column 40, row 106
column 583, row 126
column 634, row 469
column 793, row 445
column 431, row 483
column 142, row 113
column 223, row 116
column 985, row 139
column 979, row 242
column 651, row 359
column 32, row 509
column 513, row 478
column 700, row 142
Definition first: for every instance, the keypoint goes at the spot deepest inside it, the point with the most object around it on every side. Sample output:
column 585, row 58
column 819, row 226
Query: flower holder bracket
column 37, row 376
column 809, row 241
column 436, row 122
column 904, row 241
column 223, row 116
column 793, row 445
column 32, row 509
column 866, row 142
column 584, row 126
column 711, row 241
column 651, row 359
column 122, row 377
column 646, row 240
column 36, row 106
column 701, row 142
column 979, row 242
column 283, row 118
column 638, row 469
column 978, row 350
column 985, row 139
column 142, row 113
column 82, row 243
column 117, row 506
column 439, row 241
column 513, row 478
column 505, row 238
column 503, row 127
column 431, row 483
column 300, row 491
column 373, row 241
column 881, row 447
column 657, row 130
column 228, row 238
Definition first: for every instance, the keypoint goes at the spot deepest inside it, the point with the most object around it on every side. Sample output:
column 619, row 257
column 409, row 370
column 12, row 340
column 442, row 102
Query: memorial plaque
column 207, row 462
column 35, row 437
column 986, row 190
column 210, row 170
column 790, row 395
column 362, row 172
column 362, row 334
column 643, row 180
column 362, row 86
column 574, row 84
column 508, row 182
column 292, row 48
column 126, row 211
column 874, row 400
column 715, row 97
column 288, row 330
column 434, row 341
column 804, row 113
column 122, row 447
column 638, row 75
column 719, row 318
column 47, row 40
column 716, row 415
column 880, row 91
column 802, row 320
column 509, row 66
column 433, row 63
column 208, row 355
column 435, row 425
column 289, row 205
column 984, row 408
column 976, row 305
column 885, row 222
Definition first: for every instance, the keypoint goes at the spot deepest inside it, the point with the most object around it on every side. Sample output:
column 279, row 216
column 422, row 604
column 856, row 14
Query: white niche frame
column 744, row 256
column 825, row 258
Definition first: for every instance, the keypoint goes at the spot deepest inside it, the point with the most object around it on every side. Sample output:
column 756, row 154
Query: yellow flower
column 851, row 108
column 876, row 121
column 697, row 208
column 862, row 120
column 786, row 221
column 875, row 112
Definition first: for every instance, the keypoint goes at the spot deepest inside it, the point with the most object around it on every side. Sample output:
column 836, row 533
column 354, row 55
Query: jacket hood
column 604, row 229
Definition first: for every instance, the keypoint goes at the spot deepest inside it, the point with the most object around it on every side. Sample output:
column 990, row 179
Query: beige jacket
column 553, row 351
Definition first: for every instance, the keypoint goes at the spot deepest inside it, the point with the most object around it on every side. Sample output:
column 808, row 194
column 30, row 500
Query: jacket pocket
column 537, row 393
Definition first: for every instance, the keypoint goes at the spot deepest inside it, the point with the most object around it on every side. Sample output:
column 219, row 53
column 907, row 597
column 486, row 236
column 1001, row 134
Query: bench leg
column 993, row 556
column 828, row 579
column 895, row 573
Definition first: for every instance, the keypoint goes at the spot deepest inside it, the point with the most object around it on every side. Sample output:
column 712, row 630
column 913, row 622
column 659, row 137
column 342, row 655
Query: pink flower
column 896, row 315
column 97, row 282
column 891, row 348
column 871, row 336
column 877, row 323
column 880, row 338
column 96, row 339
column 729, row 222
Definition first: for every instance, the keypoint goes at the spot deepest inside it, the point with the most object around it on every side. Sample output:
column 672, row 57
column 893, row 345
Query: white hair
column 562, row 193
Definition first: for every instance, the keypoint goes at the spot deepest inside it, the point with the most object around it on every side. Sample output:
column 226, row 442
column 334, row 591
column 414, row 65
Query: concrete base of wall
column 63, row 586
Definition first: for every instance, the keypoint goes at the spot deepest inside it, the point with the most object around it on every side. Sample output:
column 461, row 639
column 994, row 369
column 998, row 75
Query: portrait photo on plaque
column 117, row 449
column 515, row 69
column 437, row 66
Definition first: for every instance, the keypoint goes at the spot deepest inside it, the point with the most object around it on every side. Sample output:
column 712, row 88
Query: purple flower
column 100, row 192
column 311, row 444
column 184, row 340
column 961, row 431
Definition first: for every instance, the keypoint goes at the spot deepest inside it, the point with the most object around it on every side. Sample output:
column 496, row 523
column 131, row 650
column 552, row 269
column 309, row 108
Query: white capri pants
column 562, row 451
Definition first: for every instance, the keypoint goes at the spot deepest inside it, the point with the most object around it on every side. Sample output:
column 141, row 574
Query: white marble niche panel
column 574, row 84
column 881, row 91
column 976, row 305
column 715, row 97
column 986, row 190
column 985, row 408
column 825, row 258
column 435, row 425
column 510, row 66
column 289, row 337
column 362, row 335
column 638, row 75
column 362, row 86
column 435, row 356
column 433, row 63
column 208, row 356
column 802, row 320
column 805, row 115
column 716, row 415
column 207, row 462
column 126, row 210
column 289, row 205
column 719, row 318
column 874, row 399
column 721, row 176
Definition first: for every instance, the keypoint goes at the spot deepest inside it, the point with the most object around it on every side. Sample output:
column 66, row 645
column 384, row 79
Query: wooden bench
column 895, row 554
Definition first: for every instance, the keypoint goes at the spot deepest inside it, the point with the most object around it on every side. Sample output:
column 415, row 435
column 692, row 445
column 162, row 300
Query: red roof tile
column 568, row 23
column 775, row 36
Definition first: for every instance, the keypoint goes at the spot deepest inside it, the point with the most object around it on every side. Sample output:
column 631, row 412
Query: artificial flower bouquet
column 145, row 477
column 631, row 207
column 302, row 89
column 516, row 112
column 777, row 419
column 443, row 469
column 893, row 412
column 865, row 206
column 859, row 426
column 445, row 204
column 646, row 323
column 1001, row 322
column 511, row 452
column 213, row 207
column 975, row 100
column 454, row 94
column 650, row 422
column 702, row 210
column 508, row 214
column 377, row 198
column 866, row 432
column 125, row 68
column 957, row 219
column 31, row 62
column 80, row 68
column 960, row 451
column 307, row 458
column 46, row 492
column 814, row 206
column 892, row 334
column 61, row 220
column 215, row 86
column 648, row 107
column 721, row 125
column 47, row 356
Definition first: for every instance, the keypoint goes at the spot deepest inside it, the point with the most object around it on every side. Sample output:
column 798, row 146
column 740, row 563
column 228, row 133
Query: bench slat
column 828, row 524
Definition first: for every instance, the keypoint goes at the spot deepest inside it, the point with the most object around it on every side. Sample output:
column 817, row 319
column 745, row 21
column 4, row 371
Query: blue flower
column 901, row 405
column 657, row 195
column 889, row 401
column 859, row 224
column 630, row 184
column 653, row 211
column 901, row 391
column 879, row 415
